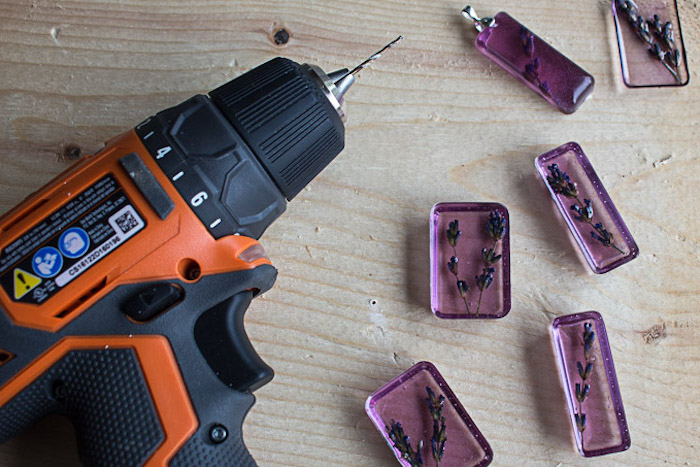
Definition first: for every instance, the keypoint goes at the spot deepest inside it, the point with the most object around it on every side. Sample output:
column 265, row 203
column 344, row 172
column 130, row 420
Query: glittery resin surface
column 639, row 67
column 605, row 426
column 537, row 64
column 404, row 400
column 570, row 159
column 473, row 218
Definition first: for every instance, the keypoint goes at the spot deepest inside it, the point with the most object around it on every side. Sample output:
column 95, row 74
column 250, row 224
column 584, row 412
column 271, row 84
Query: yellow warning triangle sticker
column 24, row 283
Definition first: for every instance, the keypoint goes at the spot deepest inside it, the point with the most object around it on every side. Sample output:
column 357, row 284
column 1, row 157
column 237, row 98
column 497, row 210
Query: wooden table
column 432, row 121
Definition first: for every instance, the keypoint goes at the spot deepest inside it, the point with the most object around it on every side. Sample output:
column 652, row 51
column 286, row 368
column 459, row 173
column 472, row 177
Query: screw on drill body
column 218, row 434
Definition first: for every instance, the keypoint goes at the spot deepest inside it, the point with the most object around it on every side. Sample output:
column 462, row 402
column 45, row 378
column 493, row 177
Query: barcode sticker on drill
column 68, row 242
column 126, row 220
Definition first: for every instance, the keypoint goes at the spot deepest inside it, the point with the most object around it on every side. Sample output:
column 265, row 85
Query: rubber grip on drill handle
column 221, row 337
column 113, row 394
column 104, row 393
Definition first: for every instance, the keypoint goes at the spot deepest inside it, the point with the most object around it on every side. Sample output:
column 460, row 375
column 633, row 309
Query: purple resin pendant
column 469, row 260
column 403, row 412
column 534, row 62
column 589, row 212
column 590, row 384
column 651, row 46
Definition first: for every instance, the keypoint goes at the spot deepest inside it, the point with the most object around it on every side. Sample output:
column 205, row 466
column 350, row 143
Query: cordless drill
column 124, row 281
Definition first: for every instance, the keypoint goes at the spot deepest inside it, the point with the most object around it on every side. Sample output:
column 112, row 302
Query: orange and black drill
column 124, row 281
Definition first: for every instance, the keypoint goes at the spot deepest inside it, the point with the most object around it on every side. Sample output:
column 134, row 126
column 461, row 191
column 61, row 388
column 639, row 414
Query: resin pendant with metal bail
column 528, row 58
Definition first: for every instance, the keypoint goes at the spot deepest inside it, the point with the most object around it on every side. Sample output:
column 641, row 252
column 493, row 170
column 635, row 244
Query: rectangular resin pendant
column 404, row 411
column 593, row 220
column 470, row 260
column 531, row 60
column 651, row 46
column 590, row 384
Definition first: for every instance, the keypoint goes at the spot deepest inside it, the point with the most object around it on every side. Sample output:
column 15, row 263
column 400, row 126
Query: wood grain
column 432, row 121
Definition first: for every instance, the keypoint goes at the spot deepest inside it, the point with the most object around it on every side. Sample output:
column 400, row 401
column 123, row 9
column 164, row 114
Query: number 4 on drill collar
column 162, row 152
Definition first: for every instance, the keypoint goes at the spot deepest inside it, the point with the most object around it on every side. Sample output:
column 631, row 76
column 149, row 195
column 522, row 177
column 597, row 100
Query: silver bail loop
column 479, row 23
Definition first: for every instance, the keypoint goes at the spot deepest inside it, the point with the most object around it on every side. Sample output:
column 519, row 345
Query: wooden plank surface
column 432, row 121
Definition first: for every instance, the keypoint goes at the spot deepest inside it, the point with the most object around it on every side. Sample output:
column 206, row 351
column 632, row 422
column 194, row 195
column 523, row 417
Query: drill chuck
column 237, row 155
column 289, row 116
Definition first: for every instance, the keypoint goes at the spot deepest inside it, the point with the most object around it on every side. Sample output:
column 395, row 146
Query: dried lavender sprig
column 403, row 444
column 663, row 31
column 532, row 69
column 588, row 340
column 483, row 282
column 583, row 388
column 496, row 227
column 647, row 29
column 437, row 443
column 561, row 184
column 585, row 214
column 453, row 235
column 656, row 52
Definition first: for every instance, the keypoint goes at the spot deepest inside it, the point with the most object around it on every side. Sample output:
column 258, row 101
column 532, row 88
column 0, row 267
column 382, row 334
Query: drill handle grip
column 150, row 399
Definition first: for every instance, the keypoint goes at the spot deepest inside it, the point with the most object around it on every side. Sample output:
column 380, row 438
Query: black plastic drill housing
column 236, row 155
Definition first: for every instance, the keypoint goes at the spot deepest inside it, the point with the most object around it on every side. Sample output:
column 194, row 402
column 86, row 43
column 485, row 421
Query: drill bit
column 347, row 78
column 375, row 56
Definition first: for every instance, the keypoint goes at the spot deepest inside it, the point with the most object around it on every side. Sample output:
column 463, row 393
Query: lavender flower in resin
column 453, row 234
column 656, row 33
column 496, row 227
column 532, row 68
column 403, row 443
column 437, row 443
column 585, row 368
column 561, row 184
column 483, row 282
